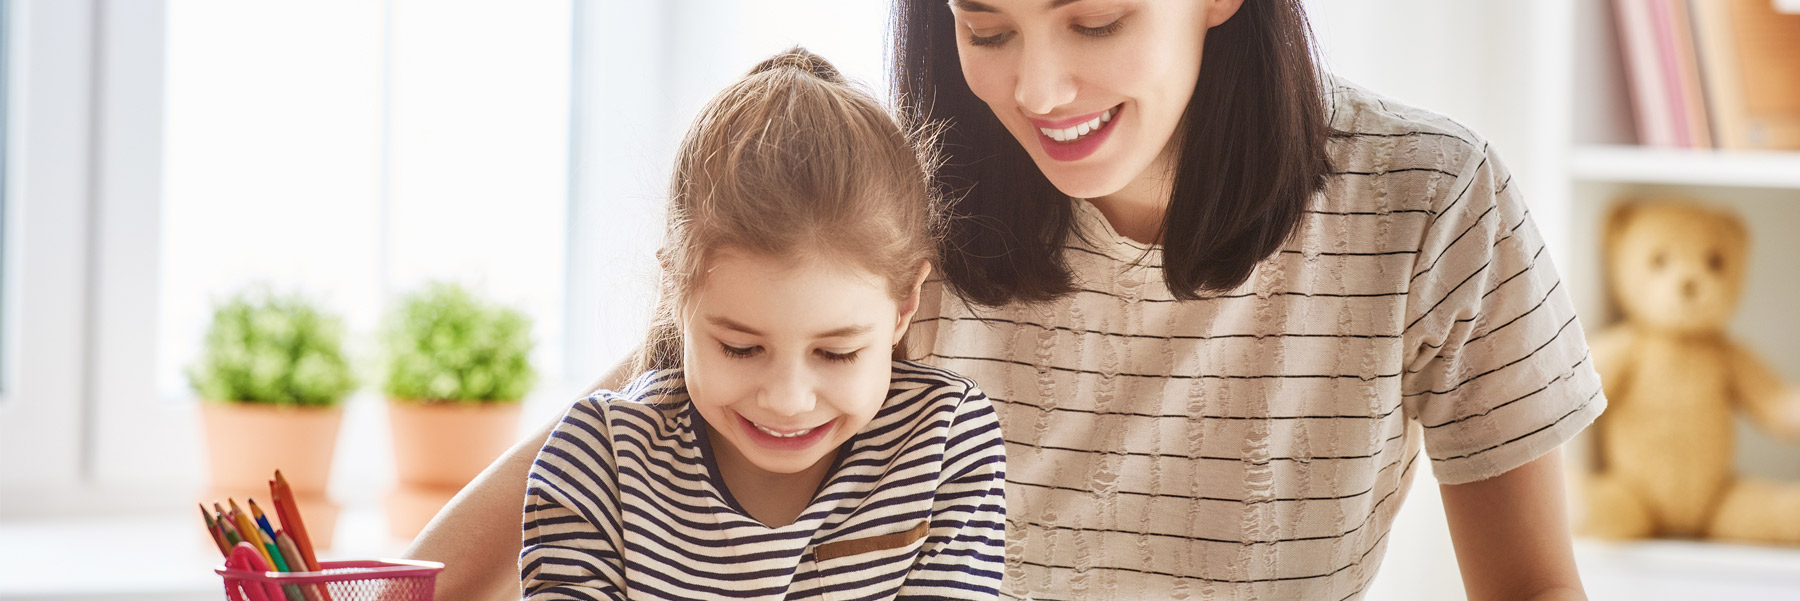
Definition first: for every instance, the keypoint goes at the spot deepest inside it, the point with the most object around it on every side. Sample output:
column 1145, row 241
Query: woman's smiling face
column 1093, row 89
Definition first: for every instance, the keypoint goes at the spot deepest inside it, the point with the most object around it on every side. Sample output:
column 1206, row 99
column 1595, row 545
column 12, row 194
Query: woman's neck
column 1137, row 210
column 774, row 499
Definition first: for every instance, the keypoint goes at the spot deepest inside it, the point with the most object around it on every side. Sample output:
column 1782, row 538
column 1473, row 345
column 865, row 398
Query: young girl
column 771, row 448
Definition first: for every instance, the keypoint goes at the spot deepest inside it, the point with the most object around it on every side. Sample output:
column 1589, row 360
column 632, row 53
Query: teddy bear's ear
column 1616, row 220
column 1734, row 226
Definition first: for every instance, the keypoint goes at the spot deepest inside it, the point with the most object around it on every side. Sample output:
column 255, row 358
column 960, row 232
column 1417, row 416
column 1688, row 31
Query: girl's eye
column 838, row 357
column 1101, row 31
column 739, row 352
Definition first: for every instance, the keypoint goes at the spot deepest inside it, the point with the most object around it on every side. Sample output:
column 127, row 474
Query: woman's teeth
column 779, row 434
column 1070, row 134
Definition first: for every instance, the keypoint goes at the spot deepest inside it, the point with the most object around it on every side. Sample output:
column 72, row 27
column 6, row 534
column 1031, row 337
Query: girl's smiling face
column 1093, row 89
column 786, row 360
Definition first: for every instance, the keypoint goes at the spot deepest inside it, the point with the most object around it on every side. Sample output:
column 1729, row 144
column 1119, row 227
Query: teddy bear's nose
column 1690, row 289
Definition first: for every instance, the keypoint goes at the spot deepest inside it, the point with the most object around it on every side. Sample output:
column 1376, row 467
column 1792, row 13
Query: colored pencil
column 281, row 564
column 230, row 532
column 295, row 526
column 262, row 520
column 212, row 529
column 286, row 544
column 248, row 531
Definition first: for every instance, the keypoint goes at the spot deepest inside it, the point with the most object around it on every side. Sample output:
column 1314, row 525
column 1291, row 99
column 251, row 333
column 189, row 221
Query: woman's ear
column 910, row 306
column 1220, row 11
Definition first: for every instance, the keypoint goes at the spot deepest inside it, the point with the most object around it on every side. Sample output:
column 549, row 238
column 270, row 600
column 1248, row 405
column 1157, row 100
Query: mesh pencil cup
column 384, row 580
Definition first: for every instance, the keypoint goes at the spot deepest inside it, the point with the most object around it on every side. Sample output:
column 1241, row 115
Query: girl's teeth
column 780, row 435
column 1081, row 129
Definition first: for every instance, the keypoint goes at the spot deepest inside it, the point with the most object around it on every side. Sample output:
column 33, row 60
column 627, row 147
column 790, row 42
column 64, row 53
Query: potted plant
column 273, row 378
column 457, row 367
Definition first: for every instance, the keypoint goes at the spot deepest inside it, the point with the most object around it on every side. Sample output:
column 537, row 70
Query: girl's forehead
column 759, row 294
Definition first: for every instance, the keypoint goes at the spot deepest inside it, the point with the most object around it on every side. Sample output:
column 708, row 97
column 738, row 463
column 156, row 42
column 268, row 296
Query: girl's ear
column 911, row 305
column 1220, row 11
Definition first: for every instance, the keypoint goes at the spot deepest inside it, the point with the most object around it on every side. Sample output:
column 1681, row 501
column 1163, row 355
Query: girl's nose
column 786, row 391
column 1044, row 82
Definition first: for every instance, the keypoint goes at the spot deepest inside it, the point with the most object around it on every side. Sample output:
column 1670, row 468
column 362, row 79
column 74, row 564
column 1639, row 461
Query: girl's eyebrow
column 843, row 332
column 973, row 6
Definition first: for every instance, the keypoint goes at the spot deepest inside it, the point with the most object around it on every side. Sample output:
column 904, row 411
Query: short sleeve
column 1497, row 369
column 572, row 537
column 964, row 555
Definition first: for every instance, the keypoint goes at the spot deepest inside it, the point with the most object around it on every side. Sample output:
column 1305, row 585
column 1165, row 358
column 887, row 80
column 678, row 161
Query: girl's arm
column 572, row 530
column 965, row 553
column 1511, row 534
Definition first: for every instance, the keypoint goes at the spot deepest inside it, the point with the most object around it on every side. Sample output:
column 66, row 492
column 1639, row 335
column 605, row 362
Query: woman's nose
column 786, row 390
column 1045, row 81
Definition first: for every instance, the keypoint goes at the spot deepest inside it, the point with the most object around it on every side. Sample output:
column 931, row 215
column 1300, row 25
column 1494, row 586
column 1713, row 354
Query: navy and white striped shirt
column 625, row 501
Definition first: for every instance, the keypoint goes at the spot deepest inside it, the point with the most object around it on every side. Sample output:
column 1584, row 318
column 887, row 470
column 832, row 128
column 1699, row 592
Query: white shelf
column 1780, row 170
column 1656, row 570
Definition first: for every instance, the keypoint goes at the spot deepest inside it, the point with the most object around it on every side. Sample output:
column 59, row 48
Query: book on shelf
column 1712, row 73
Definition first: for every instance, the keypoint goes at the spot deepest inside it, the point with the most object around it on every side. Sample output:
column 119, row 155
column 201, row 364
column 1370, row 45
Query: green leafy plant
column 269, row 348
column 445, row 345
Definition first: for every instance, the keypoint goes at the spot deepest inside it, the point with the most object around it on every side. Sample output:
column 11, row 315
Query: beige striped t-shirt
column 1258, row 443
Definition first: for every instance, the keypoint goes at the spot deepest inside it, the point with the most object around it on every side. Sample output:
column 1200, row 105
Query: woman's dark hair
column 1251, row 154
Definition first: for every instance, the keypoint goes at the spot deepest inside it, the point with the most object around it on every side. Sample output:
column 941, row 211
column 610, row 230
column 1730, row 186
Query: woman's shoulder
column 1396, row 157
column 1367, row 117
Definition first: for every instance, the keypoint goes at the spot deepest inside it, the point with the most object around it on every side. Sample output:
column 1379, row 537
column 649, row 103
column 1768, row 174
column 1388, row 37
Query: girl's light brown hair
column 792, row 161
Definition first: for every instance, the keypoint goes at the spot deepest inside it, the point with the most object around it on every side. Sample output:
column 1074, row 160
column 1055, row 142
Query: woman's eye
column 1101, row 31
column 740, row 352
column 839, row 357
column 979, row 40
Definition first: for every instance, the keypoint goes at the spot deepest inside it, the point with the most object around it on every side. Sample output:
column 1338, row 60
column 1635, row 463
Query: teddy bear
column 1674, row 382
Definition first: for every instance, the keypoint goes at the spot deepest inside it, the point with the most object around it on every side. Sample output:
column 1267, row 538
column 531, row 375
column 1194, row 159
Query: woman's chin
column 1083, row 181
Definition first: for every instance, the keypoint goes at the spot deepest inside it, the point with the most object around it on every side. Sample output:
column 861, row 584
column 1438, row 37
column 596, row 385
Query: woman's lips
column 778, row 439
column 1075, row 138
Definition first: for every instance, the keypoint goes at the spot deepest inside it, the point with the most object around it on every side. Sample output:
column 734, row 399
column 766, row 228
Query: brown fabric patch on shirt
column 858, row 546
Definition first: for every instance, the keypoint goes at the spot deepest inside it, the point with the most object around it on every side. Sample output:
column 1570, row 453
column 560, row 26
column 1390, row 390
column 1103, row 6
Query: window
column 354, row 150
column 6, row 221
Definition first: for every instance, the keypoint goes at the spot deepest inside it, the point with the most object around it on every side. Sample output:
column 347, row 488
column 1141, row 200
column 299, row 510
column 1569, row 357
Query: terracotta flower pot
column 439, row 448
column 247, row 442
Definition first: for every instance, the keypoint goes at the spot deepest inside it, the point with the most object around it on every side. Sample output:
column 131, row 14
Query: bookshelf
column 1682, row 167
column 1599, row 162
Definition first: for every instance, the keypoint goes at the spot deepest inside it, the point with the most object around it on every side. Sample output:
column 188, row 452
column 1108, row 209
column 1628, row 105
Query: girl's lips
column 785, row 443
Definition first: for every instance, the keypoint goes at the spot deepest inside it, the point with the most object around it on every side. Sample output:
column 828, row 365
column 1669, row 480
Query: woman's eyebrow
column 973, row 6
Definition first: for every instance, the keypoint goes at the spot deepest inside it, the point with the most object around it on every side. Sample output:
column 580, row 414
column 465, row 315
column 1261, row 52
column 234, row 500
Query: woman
column 1222, row 306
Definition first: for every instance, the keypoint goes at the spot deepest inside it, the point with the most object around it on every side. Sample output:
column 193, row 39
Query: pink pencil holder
column 384, row 580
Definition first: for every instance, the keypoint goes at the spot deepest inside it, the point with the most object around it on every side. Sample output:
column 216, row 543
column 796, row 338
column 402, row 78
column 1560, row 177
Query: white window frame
column 50, row 191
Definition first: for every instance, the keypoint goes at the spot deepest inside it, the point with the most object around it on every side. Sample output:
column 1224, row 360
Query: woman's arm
column 1511, row 534
column 477, row 535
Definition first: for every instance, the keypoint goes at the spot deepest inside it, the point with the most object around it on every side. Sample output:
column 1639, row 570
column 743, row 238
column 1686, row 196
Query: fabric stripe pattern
column 625, row 502
column 1259, row 442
